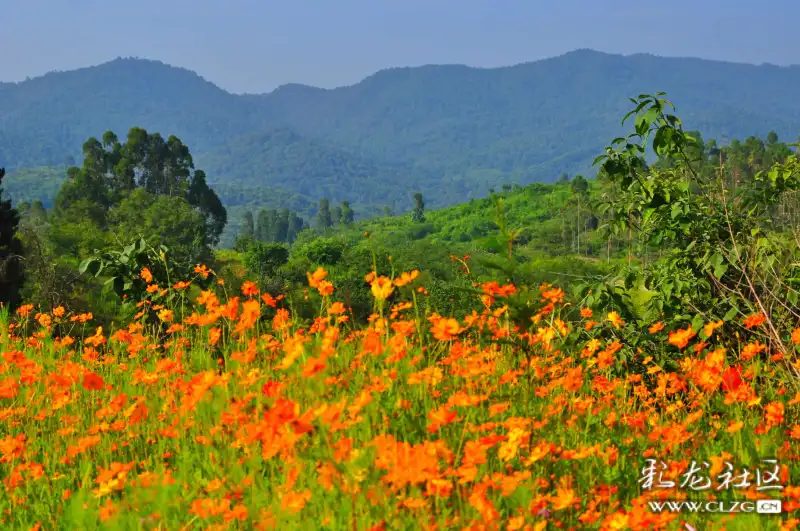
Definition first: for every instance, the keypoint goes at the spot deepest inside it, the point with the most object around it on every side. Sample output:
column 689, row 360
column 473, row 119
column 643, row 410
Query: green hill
column 450, row 131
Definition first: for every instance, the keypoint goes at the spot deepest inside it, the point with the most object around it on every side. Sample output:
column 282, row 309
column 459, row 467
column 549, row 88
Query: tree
column 112, row 170
column 264, row 259
column 162, row 220
column 418, row 215
column 347, row 214
column 11, row 273
column 296, row 226
column 563, row 178
column 336, row 214
column 579, row 187
column 282, row 226
column 248, row 226
column 246, row 234
column 324, row 220
column 263, row 226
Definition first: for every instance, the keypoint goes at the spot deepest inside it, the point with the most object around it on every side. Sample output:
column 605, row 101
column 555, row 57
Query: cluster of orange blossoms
column 414, row 421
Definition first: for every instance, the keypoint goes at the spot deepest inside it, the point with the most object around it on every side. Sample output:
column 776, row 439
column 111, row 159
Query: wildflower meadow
column 225, row 411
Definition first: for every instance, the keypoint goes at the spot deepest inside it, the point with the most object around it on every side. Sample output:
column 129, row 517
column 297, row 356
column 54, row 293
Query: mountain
column 300, row 164
column 449, row 131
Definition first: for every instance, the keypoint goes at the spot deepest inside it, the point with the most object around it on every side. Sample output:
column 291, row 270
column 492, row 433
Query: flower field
column 223, row 411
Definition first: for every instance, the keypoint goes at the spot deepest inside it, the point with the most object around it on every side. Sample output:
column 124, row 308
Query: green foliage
column 712, row 241
column 347, row 215
column 161, row 219
column 324, row 218
column 418, row 214
column 264, row 259
column 323, row 251
column 451, row 132
column 11, row 253
column 121, row 269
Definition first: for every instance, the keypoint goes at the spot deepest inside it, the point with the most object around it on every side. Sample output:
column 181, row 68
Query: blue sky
column 256, row 45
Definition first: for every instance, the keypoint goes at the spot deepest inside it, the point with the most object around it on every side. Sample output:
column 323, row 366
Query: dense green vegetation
column 539, row 232
column 450, row 132
column 677, row 240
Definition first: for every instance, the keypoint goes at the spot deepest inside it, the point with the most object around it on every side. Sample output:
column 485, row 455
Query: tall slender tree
column 282, row 226
column 347, row 215
column 263, row 227
column 11, row 273
column 418, row 215
column 296, row 225
column 248, row 226
column 324, row 220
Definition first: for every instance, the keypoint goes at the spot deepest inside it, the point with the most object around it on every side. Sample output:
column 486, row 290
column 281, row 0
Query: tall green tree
column 248, row 226
column 296, row 225
column 111, row 170
column 282, row 226
column 11, row 272
column 347, row 215
column 418, row 214
column 324, row 220
column 579, row 187
column 263, row 225
column 246, row 235
column 336, row 215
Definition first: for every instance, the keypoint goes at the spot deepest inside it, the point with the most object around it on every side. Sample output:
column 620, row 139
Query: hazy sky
column 256, row 45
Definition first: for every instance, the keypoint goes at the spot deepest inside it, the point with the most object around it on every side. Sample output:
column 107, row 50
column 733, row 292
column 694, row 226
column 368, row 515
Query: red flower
column 732, row 379
column 92, row 382
column 271, row 389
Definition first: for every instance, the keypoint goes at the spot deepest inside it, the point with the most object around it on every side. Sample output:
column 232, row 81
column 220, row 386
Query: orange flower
column 317, row 277
column 269, row 300
column 773, row 414
column 325, row 288
column 44, row 320
column 214, row 335
column 202, row 271
column 92, row 382
column 755, row 320
column 58, row 311
column 681, row 338
column 406, row 278
column 146, row 275
column 615, row 319
column 708, row 329
column 249, row 289
column 734, row 426
column 656, row 328
column 381, row 288
column 445, row 329
column 336, row 308
column 181, row 285
column 586, row 313
column 796, row 336
column 294, row 501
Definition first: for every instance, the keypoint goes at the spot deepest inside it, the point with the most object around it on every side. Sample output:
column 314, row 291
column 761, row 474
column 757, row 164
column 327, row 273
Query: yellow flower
column 382, row 287
column 615, row 319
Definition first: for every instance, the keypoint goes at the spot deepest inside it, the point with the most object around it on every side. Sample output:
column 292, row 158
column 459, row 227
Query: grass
column 229, row 414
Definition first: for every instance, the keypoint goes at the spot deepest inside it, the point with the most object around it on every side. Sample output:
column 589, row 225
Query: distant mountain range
column 449, row 131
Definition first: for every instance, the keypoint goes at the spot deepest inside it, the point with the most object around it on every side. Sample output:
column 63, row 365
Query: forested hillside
column 451, row 132
column 517, row 361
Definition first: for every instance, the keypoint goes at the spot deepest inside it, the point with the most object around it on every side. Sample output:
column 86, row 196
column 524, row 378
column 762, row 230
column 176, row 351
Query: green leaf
column 90, row 265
